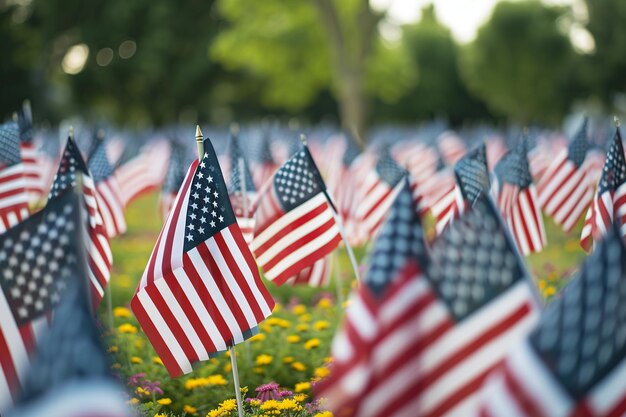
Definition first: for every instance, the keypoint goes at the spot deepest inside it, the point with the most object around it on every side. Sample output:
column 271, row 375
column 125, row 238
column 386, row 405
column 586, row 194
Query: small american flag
column 295, row 224
column 517, row 201
column 380, row 313
column 108, row 191
column 574, row 361
column 565, row 190
column 37, row 258
column 201, row 291
column 13, row 196
column 98, row 249
column 609, row 204
column 377, row 193
column 143, row 173
column 263, row 165
column 33, row 174
column 472, row 179
column 241, row 187
column 173, row 178
column 451, row 147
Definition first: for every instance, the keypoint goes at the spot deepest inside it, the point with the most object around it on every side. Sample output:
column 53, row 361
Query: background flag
column 239, row 179
column 13, row 196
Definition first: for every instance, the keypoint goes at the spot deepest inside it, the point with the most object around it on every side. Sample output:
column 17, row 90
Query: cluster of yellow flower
column 209, row 381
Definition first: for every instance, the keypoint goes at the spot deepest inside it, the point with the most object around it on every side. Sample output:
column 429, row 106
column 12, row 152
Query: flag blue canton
column 577, row 149
column 389, row 171
column 235, row 172
column 208, row 209
column 99, row 165
column 39, row 256
column 472, row 261
column 514, row 169
column 9, row 144
column 614, row 170
column 472, row 174
column 71, row 163
column 296, row 181
column 582, row 334
column 400, row 239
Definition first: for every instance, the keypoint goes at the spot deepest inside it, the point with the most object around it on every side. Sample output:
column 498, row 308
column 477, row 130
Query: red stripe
column 620, row 408
column 8, row 367
column 522, row 398
column 268, row 212
column 378, row 202
column 155, row 338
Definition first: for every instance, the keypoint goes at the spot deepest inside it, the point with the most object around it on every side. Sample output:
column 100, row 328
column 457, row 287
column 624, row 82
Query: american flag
column 108, row 192
column 30, row 156
column 37, row 258
column 263, row 165
column 451, row 147
column 609, row 204
column 517, row 201
column 574, row 362
column 295, row 224
column 565, row 190
column 471, row 180
column 380, row 311
column 173, row 178
column 70, row 375
column 201, row 291
column 97, row 247
column 316, row 275
column 143, row 173
column 241, row 190
column 377, row 192
column 13, row 196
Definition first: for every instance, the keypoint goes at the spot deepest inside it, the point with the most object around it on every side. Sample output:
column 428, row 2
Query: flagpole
column 337, row 273
column 233, row 355
column 336, row 216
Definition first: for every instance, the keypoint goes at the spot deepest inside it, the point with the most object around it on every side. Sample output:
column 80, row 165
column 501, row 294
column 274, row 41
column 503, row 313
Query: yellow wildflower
column 190, row 409
column 263, row 360
column 126, row 328
column 324, row 414
column 165, row 401
column 160, row 415
column 277, row 308
column 157, row 360
column 305, row 317
column 113, row 349
column 133, row 401
column 259, row 337
column 139, row 343
column 324, row 303
column 328, row 359
column 208, row 381
column 142, row 391
column 321, row 325
column 293, row 338
column 122, row 312
column 288, row 359
column 302, row 386
column 312, row 343
column 299, row 309
column 321, row 372
column 255, row 402
column 298, row 366
column 136, row 359
column 549, row 291
column 302, row 327
column 300, row 397
column 228, row 367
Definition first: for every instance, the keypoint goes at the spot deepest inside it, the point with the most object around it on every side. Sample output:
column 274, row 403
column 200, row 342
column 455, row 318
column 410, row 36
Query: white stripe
column 285, row 221
column 13, row 200
column 294, row 235
column 17, row 350
column 371, row 200
column 381, row 210
column 303, row 251
column 577, row 182
column 199, row 308
column 516, row 226
column 341, row 349
column 181, row 318
column 562, row 187
column 609, row 391
column 109, row 192
column 608, row 205
column 498, row 400
column 216, row 295
column 164, row 331
column 39, row 327
column 246, row 272
column 6, row 400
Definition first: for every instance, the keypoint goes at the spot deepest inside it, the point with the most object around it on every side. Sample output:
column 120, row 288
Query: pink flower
column 267, row 391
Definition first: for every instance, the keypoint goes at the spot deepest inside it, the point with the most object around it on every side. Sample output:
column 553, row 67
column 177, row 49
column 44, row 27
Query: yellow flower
column 139, row 343
column 263, row 360
column 243, row 390
column 157, row 360
column 209, row 381
column 228, row 367
column 113, row 349
column 259, row 337
column 189, row 409
column 324, row 414
column 165, row 401
column 127, row 328
column 300, row 397
column 122, row 312
column 255, row 402
column 321, row 372
column 302, row 386
column 277, row 308
column 265, row 327
column 312, row 344
column 299, row 309
column 136, row 359
column 321, row 325
column 224, row 409
column 305, row 317
column 302, row 327
column 288, row 359
column 298, row 366
column 133, row 401
column 293, row 338
column 160, row 415
column 324, row 303
column 328, row 359
column 542, row 284
column 142, row 391
column 549, row 291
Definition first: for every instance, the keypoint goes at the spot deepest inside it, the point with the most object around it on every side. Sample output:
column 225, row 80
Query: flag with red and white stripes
column 517, row 201
column 609, row 204
column 108, row 192
column 263, row 165
column 33, row 169
column 241, row 190
column 565, row 190
column 38, row 258
column 316, row 275
column 451, row 147
column 295, row 223
column 97, row 247
column 13, row 196
column 377, row 193
column 574, row 362
column 143, row 173
column 201, row 291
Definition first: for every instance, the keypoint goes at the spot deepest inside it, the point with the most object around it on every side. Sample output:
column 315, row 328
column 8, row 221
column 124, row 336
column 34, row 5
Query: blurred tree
column 439, row 91
column 607, row 64
column 300, row 50
column 521, row 64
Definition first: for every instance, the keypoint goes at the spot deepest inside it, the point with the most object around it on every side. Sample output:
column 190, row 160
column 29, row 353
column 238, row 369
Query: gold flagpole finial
column 616, row 121
column 303, row 139
column 199, row 136
column 199, row 143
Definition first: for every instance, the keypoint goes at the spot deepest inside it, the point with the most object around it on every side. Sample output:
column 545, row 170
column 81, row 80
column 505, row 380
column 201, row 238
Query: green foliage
column 520, row 63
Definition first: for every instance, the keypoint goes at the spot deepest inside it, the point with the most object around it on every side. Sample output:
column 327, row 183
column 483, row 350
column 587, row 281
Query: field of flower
column 276, row 367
